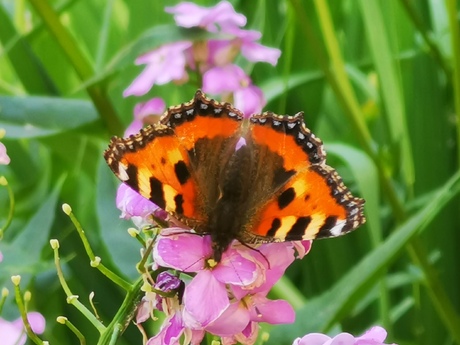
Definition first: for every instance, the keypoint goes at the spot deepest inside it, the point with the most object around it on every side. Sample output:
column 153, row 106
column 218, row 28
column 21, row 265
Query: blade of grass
column 455, row 46
column 104, row 35
column 341, row 86
column 79, row 62
column 433, row 47
column 390, row 81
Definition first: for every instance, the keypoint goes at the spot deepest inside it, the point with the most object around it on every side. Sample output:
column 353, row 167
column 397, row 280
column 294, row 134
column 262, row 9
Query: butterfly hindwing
column 307, row 198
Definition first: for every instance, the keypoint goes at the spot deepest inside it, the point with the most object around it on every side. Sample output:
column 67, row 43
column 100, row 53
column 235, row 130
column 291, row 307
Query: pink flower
column 154, row 106
column 13, row 333
column 232, row 79
column 164, row 64
column 4, row 159
column 374, row 336
column 251, row 50
column 137, row 208
column 191, row 253
column 188, row 15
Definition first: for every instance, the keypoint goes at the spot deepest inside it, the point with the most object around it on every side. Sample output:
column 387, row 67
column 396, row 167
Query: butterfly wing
column 300, row 197
column 165, row 162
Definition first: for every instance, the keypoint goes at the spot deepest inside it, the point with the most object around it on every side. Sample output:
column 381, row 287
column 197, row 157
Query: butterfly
column 257, row 180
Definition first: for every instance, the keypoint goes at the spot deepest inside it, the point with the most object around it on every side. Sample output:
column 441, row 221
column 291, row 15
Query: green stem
column 75, row 331
column 124, row 314
column 79, row 62
column 95, row 261
column 71, row 298
column 23, row 311
column 9, row 219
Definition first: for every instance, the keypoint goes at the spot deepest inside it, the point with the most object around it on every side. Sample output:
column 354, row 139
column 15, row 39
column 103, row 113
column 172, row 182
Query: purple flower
column 164, row 64
column 374, row 336
column 236, row 287
column 191, row 253
column 250, row 49
column 4, row 159
column 13, row 333
column 137, row 208
column 232, row 79
column 153, row 107
column 188, row 15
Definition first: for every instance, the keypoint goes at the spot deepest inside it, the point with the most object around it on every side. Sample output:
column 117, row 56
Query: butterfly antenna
column 258, row 251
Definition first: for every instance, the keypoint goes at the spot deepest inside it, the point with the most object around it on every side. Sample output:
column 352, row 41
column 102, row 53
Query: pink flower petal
column 204, row 287
column 256, row 52
column 36, row 321
column 250, row 100
column 164, row 64
column 188, row 14
column 132, row 204
column 312, row 339
column 374, row 336
column 11, row 334
column 155, row 106
column 233, row 320
column 342, row 339
column 222, row 52
column 223, row 79
column 4, row 158
column 235, row 269
column 184, row 251
column 170, row 332
column 273, row 312
column 302, row 247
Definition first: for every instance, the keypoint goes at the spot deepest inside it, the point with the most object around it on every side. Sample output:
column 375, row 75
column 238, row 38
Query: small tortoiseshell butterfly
column 257, row 180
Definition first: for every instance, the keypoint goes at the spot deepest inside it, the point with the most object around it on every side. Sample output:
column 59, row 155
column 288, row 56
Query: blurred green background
column 379, row 83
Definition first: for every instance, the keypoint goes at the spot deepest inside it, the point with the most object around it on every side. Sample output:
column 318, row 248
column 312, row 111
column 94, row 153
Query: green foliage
column 379, row 83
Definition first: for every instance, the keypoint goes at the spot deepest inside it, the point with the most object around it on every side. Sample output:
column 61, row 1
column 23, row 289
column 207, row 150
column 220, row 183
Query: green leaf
column 26, row 64
column 30, row 117
column 23, row 254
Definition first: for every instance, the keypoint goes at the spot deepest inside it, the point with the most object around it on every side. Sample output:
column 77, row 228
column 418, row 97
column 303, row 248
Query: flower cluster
column 212, row 59
column 226, row 298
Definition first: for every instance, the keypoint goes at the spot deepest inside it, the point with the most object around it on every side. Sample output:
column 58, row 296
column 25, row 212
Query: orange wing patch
column 163, row 162
column 155, row 165
column 312, row 202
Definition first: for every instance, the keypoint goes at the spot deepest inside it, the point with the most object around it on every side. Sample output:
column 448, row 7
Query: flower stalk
column 22, row 306
column 71, row 298
column 95, row 261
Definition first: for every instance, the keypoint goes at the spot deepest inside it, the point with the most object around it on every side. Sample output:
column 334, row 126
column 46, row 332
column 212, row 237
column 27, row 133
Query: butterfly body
column 257, row 180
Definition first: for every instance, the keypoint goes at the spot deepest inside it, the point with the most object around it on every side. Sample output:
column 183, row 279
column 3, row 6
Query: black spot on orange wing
column 132, row 174
column 329, row 223
column 179, row 202
column 298, row 229
column 156, row 193
column 181, row 171
column 276, row 223
column 286, row 198
column 281, row 176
